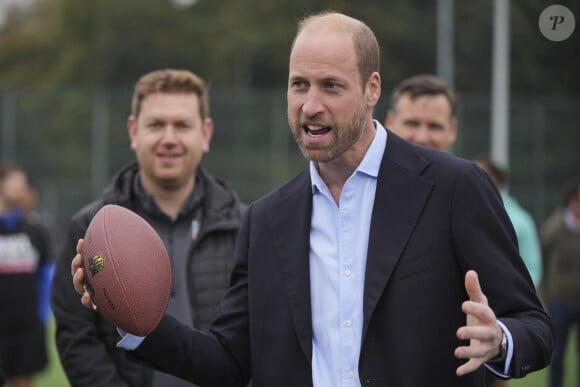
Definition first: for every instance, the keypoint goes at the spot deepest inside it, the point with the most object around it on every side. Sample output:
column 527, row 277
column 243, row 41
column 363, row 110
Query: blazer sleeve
column 485, row 241
column 219, row 357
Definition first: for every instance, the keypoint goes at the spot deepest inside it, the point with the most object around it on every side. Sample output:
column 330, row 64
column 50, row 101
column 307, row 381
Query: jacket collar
column 402, row 193
column 222, row 206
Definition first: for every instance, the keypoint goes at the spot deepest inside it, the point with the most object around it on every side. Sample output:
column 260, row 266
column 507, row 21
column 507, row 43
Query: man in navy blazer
column 384, row 263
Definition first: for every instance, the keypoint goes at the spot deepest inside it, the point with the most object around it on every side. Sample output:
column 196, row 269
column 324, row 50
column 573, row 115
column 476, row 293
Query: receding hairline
column 364, row 40
column 329, row 19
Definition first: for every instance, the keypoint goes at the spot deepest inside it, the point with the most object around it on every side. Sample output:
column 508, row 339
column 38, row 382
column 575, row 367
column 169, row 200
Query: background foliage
column 246, row 43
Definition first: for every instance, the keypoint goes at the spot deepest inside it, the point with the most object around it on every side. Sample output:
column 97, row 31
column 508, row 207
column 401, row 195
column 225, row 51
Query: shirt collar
column 370, row 164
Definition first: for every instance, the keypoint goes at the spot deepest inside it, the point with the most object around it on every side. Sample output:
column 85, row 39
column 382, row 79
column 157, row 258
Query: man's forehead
column 424, row 100
column 323, row 46
column 321, row 33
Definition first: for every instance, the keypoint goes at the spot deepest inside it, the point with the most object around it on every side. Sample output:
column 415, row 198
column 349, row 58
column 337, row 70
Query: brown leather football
column 127, row 269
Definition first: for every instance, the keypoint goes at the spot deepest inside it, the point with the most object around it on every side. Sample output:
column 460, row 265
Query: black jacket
column 86, row 342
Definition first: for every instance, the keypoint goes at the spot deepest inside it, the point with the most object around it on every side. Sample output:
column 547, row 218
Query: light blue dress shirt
column 338, row 253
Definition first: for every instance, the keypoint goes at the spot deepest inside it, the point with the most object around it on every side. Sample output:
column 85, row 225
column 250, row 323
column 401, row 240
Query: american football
column 127, row 269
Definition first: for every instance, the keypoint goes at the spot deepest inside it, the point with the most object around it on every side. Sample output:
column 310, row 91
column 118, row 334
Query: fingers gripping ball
column 127, row 269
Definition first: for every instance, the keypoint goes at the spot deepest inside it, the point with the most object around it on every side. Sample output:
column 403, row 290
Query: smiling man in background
column 423, row 111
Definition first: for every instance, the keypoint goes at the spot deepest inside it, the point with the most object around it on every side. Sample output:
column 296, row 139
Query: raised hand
column 481, row 329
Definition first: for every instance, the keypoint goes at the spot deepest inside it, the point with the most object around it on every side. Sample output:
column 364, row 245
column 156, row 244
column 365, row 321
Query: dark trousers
column 564, row 315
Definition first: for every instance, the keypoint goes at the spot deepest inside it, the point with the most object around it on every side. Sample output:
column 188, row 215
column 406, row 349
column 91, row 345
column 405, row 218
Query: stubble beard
column 343, row 138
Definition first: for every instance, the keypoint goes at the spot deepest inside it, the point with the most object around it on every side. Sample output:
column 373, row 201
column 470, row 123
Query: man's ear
column 373, row 89
column 453, row 130
column 389, row 119
column 132, row 129
column 207, row 133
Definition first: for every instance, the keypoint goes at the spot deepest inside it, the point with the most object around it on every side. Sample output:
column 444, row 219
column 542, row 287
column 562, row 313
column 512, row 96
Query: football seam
column 117, row 277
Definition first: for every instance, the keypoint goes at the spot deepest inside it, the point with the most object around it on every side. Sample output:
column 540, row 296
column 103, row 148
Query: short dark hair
column 495, row 171
column 424, row 84
column 571, row 190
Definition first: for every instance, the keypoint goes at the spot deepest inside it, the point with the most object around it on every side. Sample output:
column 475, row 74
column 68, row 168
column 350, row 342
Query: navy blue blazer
column 435, row 217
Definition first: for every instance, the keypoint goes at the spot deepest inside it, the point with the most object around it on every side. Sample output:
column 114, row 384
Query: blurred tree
column 541, row 65
column 230, row 42
column 246, row 43
column 27, row 44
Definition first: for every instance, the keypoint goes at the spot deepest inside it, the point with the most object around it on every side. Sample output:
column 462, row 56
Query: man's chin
column 317, row 155
column 169, row 182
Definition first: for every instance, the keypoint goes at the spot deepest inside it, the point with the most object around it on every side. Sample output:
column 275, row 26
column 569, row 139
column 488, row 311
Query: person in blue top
column 524, row 225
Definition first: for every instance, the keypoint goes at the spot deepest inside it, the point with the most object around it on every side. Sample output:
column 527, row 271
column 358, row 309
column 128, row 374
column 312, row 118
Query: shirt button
column 349, row 374
column 348, row 323
column 347, row 273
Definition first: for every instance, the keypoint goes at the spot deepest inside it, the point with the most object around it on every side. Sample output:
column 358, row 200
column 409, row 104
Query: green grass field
column 53, row 376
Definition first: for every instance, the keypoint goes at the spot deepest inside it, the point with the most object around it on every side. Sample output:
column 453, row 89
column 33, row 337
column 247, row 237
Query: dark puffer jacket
column 86, row 342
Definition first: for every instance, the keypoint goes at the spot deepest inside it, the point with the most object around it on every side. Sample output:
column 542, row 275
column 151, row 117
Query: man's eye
column 298, row 84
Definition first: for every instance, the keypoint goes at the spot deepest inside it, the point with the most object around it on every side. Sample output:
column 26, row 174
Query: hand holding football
column 127, row 269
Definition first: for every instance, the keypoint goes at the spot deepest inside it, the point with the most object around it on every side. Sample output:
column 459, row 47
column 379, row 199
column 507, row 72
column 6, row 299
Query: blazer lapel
column 290, row 223
column 400, row 197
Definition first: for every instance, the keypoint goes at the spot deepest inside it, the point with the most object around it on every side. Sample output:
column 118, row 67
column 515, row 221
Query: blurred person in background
column 26, row 198
column 196, row 214
column 30, row 205
column 560, row 239
column 423, row 111
column 24, row 253
column 28, row 201
column 524, row 226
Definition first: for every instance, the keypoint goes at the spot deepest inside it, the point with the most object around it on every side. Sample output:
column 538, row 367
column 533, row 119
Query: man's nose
column 169, row 133
column 422, row 135
column 312, row 103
